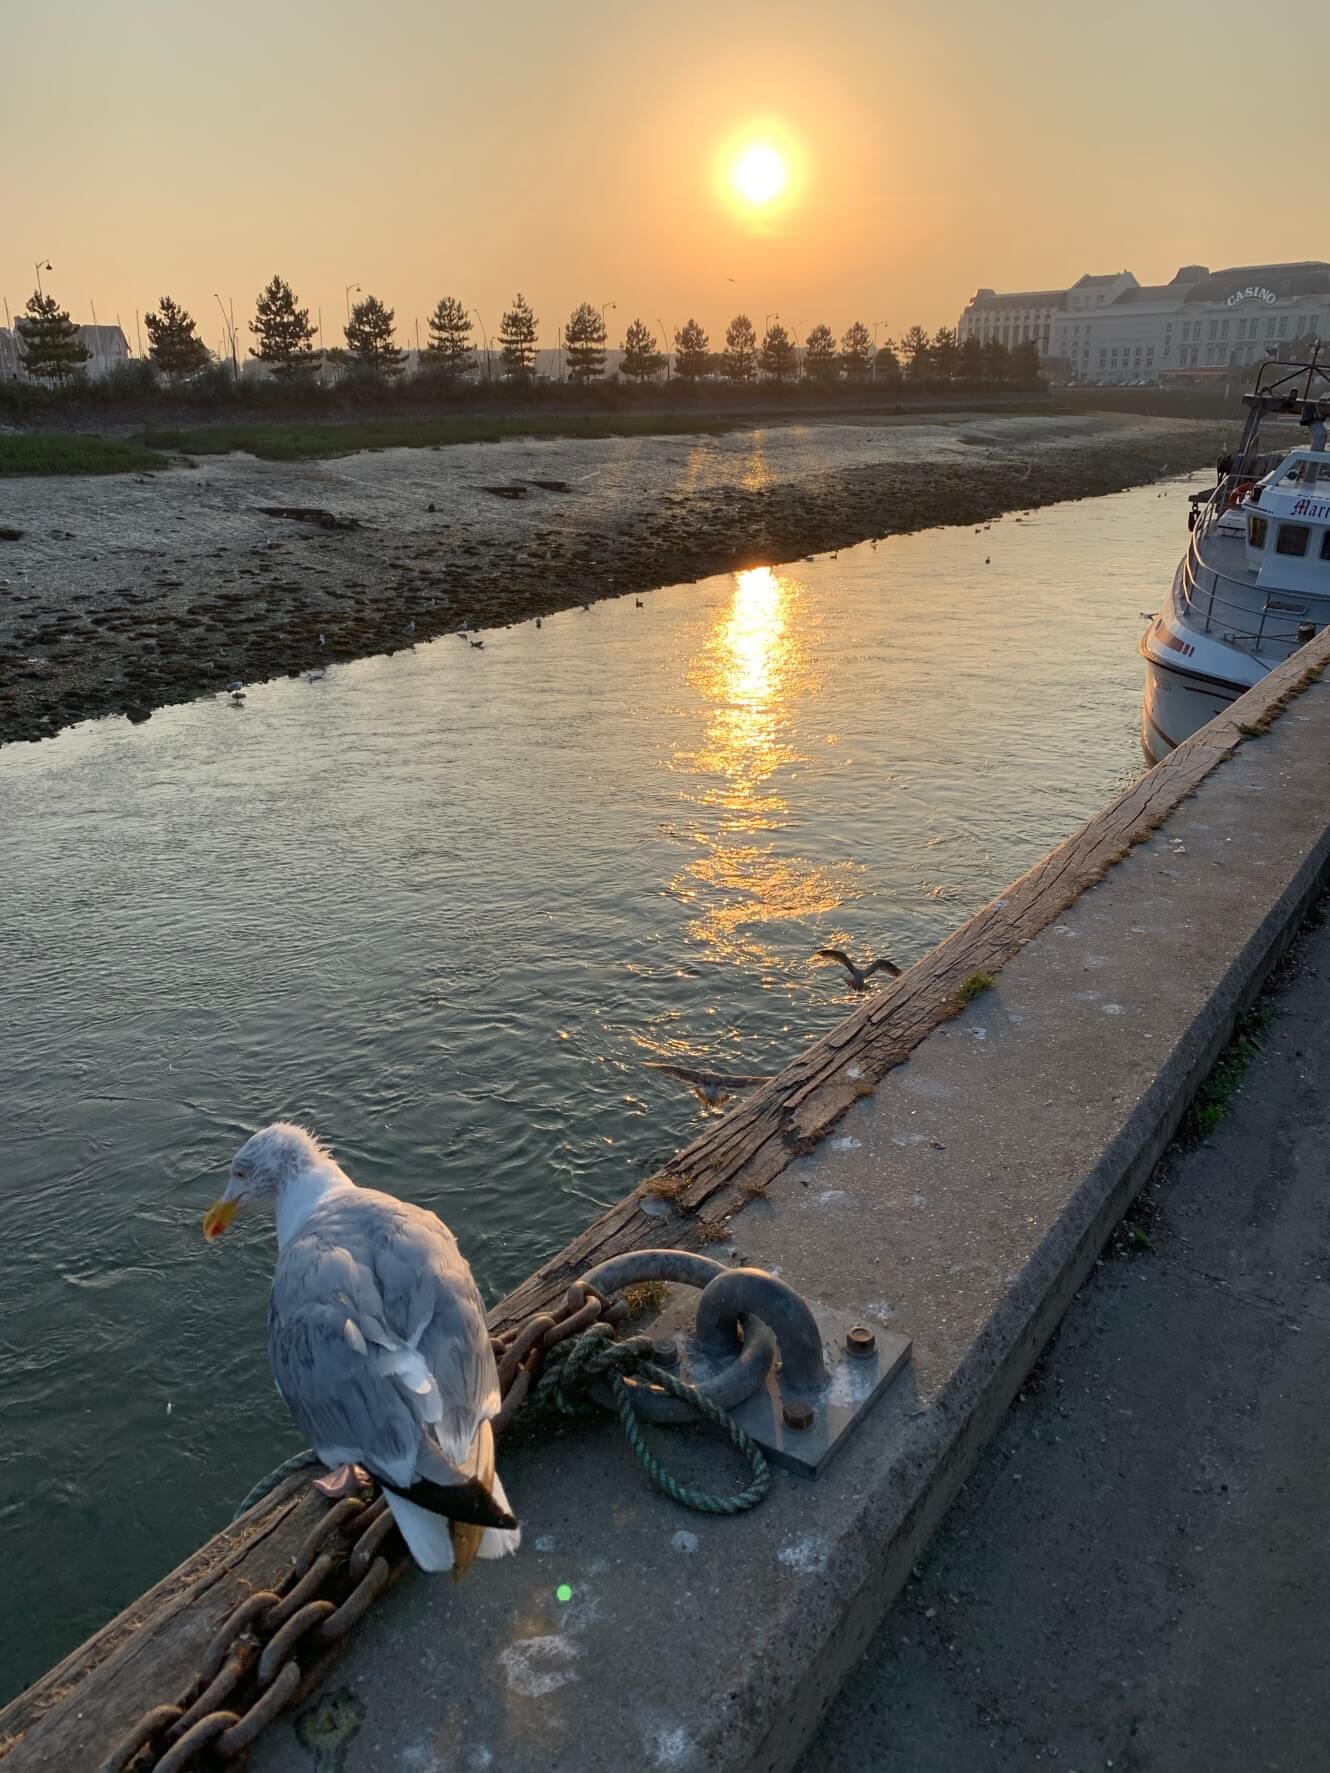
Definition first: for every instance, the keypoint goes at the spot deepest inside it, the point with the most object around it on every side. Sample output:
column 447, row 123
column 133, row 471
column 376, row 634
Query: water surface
column 445, row 907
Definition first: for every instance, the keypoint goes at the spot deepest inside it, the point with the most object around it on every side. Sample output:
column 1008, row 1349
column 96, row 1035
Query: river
column 446, row 907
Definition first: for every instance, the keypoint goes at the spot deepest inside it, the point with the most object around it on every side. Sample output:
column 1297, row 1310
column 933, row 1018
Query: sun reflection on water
column 753, row 670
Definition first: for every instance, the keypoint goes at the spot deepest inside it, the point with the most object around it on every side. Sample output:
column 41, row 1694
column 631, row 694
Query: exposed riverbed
column 448, row 906
column 129, row 593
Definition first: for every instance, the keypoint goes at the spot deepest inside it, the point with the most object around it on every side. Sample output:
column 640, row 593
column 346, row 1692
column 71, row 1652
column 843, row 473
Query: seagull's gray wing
column 377, row 1338
column 840, row 955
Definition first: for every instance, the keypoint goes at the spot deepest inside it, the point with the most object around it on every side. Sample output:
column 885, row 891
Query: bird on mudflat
column 477, row 644
column 379, row 1346
column 859, row 976
column 710, row 1087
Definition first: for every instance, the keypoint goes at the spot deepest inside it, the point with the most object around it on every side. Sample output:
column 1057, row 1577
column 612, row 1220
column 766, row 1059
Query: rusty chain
column 249, row 1672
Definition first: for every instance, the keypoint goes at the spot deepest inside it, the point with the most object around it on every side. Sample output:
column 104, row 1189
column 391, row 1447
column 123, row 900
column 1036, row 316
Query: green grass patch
column 298, row 443
column 1219, row 1091
column 970, row 988
column 70, row 453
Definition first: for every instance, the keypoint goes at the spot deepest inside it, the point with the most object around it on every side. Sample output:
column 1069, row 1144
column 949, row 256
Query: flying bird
column 859, row 976
column 378, row 1344
column 710, row 1087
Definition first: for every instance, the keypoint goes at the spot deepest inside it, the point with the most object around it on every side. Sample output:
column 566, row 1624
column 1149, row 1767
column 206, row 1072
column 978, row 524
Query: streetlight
column 484, row 335
column 349, row 288
column 665, row 337
column 39, row 266
column 876, row 324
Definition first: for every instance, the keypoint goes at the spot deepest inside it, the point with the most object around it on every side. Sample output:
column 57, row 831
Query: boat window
column 1293, row 539
column 1256, row 531
column 1325, row 544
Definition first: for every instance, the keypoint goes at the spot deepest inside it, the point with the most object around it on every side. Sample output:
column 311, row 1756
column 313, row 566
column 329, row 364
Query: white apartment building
column 1198, row 326
column 107, row 349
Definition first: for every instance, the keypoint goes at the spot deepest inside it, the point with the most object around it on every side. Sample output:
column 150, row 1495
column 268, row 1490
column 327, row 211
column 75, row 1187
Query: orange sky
column 419, row 148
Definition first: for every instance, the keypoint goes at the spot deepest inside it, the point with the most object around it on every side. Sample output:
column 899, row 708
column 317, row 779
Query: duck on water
column 1254, row 583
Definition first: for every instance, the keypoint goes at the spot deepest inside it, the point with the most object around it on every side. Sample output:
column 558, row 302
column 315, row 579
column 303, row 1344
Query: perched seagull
column 710, row 1087
column 315, row 676
column 378, row 1343
column 638, row 601
column 859, row 976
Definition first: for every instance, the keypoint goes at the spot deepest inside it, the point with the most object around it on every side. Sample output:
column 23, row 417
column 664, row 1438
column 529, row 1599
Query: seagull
column 859, row 976
column 236, row 688
column 710, row 1087
column 315, row 676
column 378, row 1344
column 638, row 601
column 410, row 627
column 539, row 623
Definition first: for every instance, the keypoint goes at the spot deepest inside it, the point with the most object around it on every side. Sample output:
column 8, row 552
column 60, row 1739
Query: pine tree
column 820, row 355
column 856, row 352
column 777, row 359
column 369, row 339
column 584, row 341
column 49, row 344
column 740, row 355
column 997, row 361
column 641, row 359
column 946, row 352
column 449, row 351
column 517, row 337
column 917, row 353
column 176, row 348
column 972, row 360
column 692, row 352
column 886, row 365
column 1025, row 364
column 284, row 333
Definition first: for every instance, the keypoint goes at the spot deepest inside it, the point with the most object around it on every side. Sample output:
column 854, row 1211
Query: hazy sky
column 420, row 147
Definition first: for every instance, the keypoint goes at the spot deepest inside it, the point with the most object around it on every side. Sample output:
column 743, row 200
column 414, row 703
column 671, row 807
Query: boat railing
column 1205, row 588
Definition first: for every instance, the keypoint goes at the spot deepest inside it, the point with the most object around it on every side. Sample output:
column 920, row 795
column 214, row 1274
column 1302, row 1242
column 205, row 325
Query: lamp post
column 40, row 265
column 349, row 288
column 665, row 336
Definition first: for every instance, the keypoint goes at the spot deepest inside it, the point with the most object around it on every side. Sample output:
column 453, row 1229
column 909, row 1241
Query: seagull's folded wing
column 377, row 1337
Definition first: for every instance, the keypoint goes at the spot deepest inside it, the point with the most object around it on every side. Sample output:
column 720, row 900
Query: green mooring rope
column 571, row 1369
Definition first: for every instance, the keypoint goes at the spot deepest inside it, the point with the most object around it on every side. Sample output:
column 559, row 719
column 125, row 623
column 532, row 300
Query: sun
column 760, row 174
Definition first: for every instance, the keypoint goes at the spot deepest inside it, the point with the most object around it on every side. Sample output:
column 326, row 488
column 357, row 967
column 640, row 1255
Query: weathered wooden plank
column 149, row 1654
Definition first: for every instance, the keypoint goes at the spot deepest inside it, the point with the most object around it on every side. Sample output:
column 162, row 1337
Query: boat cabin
column 1288, row 524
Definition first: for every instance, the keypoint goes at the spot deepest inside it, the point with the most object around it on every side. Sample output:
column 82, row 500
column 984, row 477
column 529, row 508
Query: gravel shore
column 125, row 593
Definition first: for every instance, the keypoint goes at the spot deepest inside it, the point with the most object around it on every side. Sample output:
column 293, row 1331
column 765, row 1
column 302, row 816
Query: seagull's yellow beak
column 218, row 1216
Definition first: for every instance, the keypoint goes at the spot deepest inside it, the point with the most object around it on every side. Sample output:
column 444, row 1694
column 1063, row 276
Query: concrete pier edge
column 728, row 1662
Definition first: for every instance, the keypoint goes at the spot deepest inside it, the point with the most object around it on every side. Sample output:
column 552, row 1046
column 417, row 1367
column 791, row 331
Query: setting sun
column 760, row 173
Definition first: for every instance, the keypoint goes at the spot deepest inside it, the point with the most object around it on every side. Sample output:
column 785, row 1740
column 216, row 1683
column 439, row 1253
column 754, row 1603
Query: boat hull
column 1178, row 703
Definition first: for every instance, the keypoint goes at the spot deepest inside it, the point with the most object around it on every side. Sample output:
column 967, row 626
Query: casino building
column 1195, row 328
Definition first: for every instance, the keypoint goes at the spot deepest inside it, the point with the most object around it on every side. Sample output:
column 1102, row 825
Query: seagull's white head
column 258, row 1169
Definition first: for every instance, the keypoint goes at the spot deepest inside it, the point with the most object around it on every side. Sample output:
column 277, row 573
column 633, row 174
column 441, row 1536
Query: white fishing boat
column 1254, row 583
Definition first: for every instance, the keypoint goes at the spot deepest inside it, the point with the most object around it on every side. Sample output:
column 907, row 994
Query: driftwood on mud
column 149, row 1654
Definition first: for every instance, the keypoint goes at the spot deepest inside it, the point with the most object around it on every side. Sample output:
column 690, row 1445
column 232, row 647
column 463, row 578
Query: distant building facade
column 1112, row 328
column 107, row 349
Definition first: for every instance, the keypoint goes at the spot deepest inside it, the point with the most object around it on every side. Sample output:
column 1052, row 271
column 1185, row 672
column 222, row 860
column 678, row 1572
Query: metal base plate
column 854, row 1384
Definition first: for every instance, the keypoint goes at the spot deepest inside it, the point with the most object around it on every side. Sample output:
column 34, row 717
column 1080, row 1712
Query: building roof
column 1306, row 277
column 1021, row 298
column 1099, row 282
column 104, row 338
column 1144, row 292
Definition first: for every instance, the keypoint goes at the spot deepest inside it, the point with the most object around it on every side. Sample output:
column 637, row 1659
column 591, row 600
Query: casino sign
column 1254, row 292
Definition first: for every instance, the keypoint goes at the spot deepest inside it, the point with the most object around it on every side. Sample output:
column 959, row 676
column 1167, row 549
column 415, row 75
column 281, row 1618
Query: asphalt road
column 1136, row 1575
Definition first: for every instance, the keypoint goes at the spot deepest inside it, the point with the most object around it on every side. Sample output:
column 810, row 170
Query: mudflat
column 123, row 593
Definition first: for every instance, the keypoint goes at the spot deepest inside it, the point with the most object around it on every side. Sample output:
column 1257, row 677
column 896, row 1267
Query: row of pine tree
column 52, row 351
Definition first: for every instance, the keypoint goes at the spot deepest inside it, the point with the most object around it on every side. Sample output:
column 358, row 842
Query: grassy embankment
column 68, row 453
column 61, row 453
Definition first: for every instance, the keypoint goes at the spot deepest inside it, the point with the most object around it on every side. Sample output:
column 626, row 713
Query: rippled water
column 445, row 907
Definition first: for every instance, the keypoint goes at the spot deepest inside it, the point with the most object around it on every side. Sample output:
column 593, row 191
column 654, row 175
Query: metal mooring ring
column 752, row 1355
